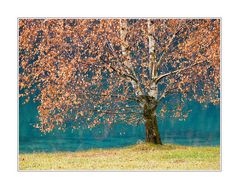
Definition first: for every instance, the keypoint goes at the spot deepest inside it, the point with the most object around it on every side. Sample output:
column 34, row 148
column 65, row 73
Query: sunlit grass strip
column 137, row 157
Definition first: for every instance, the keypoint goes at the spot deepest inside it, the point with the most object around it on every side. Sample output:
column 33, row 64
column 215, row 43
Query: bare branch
column 182, row 69
column 165, row 51
column 175, row 72
column 124, row 75
column 112, row 51
column 115, row 112
column 152, row 56
column 113, row 96
column 123, row 35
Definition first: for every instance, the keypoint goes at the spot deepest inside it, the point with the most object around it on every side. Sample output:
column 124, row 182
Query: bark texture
column 151, row 124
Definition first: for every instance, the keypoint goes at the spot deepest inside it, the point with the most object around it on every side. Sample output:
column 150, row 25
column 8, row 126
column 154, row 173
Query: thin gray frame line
column 220, row 170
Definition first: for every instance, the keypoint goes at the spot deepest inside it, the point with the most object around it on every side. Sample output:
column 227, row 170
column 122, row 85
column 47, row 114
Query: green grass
column 137, row 157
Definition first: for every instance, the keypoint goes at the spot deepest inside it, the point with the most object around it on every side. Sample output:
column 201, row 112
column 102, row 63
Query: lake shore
column 141, row 157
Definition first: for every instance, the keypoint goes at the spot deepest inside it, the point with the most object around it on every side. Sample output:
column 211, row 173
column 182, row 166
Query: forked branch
column 175, row 72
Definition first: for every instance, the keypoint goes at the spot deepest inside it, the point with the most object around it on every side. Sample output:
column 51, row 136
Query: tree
column 110, row 71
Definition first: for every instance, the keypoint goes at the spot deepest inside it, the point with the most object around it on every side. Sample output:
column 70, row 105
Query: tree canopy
column 104, row 71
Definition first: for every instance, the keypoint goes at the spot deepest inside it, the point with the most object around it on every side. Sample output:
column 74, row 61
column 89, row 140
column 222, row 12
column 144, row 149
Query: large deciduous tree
column 110, row 71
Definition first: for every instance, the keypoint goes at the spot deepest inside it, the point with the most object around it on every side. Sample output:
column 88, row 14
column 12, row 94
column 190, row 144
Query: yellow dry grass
column 138, row 157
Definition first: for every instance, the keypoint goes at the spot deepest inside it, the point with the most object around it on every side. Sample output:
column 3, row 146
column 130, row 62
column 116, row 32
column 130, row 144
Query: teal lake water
column 201, row 128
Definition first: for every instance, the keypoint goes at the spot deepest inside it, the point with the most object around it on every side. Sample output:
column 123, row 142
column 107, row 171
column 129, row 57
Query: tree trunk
column 151, row 124
column 152, row 132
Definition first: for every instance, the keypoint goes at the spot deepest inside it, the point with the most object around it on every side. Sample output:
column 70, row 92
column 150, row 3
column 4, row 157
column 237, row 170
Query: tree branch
column 165, row 51
column 182, row 69
column 115, row 112
column 135, row 81
column 174, row 72
column 133, row 76
column 112, row 96
column 124, row 75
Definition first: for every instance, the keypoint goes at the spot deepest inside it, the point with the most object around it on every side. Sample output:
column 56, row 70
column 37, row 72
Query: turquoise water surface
column 201, row 128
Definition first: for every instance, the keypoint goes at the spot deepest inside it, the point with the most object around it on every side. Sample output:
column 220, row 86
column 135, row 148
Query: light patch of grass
column 136, row 157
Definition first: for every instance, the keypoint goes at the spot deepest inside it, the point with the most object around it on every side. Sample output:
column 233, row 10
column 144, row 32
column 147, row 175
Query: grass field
column 137, row 157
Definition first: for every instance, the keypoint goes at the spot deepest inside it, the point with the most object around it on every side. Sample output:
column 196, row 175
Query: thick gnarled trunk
column 151, row 124
column 152, row 132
